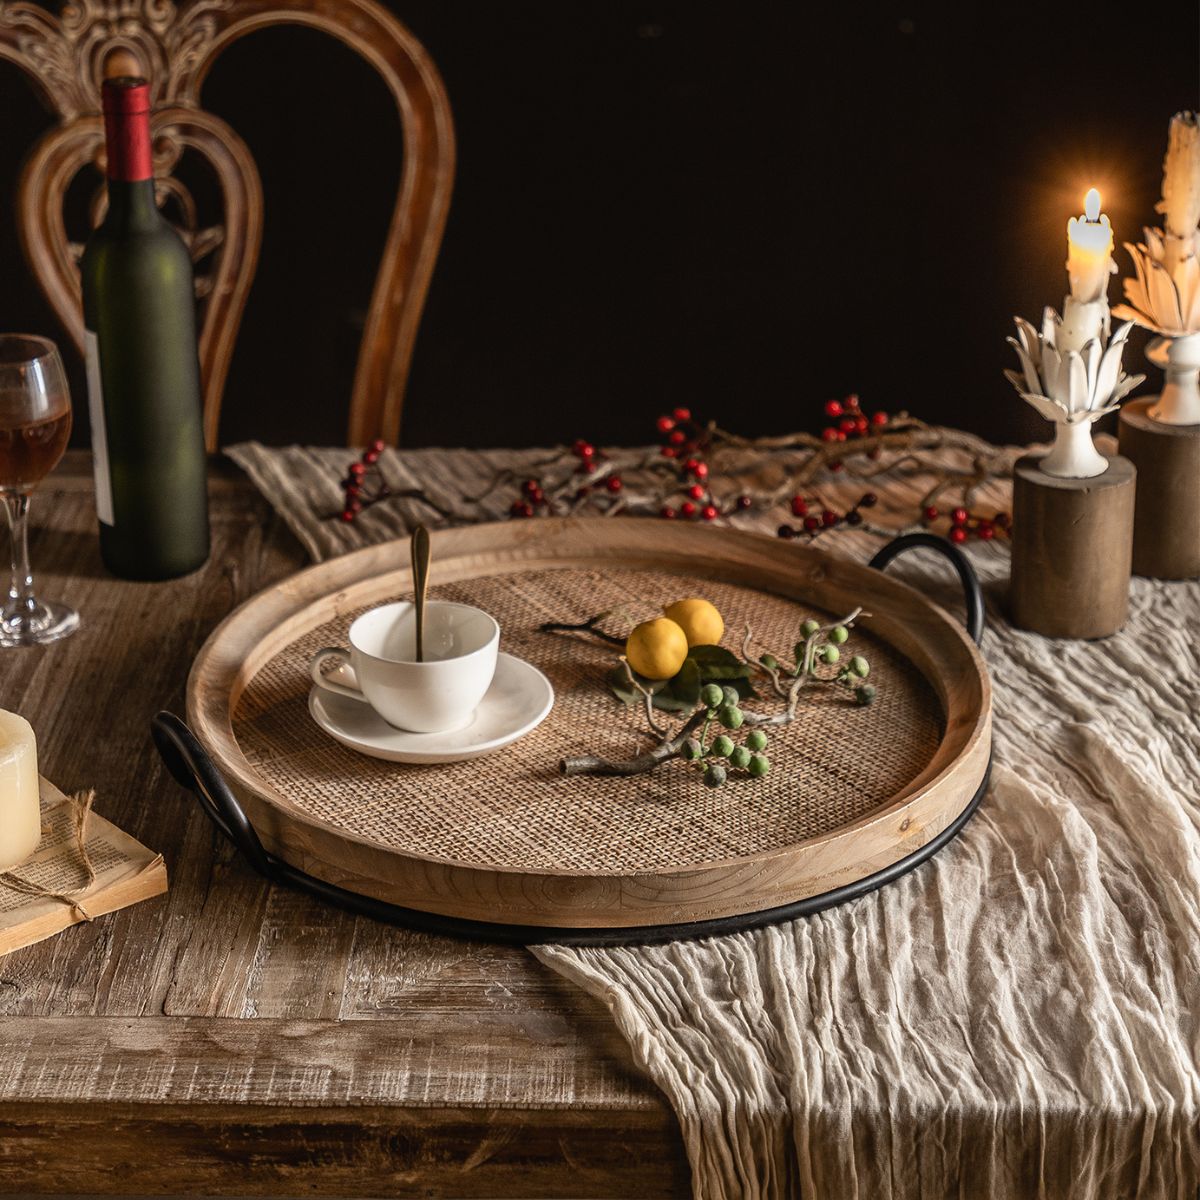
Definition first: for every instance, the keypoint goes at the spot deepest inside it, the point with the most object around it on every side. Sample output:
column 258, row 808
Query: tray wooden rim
column 903, row 616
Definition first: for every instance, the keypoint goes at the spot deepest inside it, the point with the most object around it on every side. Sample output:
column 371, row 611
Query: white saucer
column 518, row 700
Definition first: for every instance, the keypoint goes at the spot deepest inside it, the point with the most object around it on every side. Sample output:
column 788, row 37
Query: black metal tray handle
column 192, row 768
column 972, row 592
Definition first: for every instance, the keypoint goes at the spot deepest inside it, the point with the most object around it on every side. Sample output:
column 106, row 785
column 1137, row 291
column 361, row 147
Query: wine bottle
column 143, row 373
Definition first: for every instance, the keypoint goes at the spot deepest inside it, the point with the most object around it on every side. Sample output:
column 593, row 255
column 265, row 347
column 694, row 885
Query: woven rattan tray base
column 507, row 838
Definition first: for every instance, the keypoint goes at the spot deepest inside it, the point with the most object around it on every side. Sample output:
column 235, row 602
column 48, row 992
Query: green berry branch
column 647, row 694
column 815, row 657
column 816, row 661
column 718, row 757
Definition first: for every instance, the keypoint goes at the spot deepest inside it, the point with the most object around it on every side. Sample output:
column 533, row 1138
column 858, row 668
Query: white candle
column 1180, row 203
column 20, row 809
column 1089, row 251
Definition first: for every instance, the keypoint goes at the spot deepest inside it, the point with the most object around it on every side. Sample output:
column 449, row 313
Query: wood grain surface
column 1072, row 546
column 233, row 1038
column 1166, row 515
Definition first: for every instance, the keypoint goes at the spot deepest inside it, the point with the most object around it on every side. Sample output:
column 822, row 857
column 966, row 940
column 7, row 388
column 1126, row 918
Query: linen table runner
column 1020, row 1016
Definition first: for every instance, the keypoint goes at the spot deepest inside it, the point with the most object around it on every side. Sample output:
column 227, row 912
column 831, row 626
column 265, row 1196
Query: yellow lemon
column 699, row 620
column 656, row 649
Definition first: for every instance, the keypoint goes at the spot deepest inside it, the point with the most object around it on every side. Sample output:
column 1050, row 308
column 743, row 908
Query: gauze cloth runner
column 1018, row 1017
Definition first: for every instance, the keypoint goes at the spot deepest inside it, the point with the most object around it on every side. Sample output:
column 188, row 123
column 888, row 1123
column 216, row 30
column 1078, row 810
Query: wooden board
column 698, row 885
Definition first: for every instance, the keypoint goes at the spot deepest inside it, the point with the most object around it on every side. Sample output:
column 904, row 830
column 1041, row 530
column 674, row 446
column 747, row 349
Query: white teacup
column 438, row 695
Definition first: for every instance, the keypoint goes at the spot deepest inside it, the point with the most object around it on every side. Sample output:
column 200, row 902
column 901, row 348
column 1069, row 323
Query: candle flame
column 1091, row 205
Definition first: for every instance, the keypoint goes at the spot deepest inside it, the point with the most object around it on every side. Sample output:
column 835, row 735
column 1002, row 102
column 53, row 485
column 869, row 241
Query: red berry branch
column 815, row 523
column 689, row 475
column 365, row 485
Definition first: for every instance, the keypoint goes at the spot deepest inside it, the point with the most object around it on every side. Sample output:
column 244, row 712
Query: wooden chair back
column 67, row 57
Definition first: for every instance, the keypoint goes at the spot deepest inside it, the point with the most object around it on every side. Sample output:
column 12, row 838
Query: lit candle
column 20, row 809
column 1089, row 251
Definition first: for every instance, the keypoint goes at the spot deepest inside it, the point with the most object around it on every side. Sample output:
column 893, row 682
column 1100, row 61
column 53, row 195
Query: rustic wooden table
column 234, row 1038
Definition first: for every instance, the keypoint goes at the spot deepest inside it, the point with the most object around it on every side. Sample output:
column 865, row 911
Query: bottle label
column 104, row 504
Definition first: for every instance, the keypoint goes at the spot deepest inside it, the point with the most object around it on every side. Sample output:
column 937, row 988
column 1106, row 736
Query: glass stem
column 20, row 590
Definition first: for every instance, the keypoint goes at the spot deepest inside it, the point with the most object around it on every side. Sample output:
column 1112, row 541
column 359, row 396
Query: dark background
column 742, row 207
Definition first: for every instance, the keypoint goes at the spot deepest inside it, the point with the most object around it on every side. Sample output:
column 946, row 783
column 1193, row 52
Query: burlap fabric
column 516, row 810
column 1019, row 1017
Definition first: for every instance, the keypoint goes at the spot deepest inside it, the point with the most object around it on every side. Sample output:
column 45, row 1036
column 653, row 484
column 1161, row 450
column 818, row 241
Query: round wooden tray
column 854, row 793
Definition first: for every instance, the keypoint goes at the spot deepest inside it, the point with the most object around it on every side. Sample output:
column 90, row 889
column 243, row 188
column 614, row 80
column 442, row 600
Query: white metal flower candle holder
column 1168, row 303
column 1164, row 293
column 1072, row 540
column 1072, row 387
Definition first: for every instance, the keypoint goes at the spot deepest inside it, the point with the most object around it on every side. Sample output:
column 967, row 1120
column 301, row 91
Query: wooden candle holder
column 1166, row 523
column 1071, row 551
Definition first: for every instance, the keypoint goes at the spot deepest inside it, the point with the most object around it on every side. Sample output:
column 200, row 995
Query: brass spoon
column 420, row 569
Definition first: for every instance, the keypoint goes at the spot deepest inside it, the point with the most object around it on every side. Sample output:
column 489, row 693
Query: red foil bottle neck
column 126, row 103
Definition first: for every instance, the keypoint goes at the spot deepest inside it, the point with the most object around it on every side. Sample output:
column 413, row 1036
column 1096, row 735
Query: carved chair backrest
column 67, row 57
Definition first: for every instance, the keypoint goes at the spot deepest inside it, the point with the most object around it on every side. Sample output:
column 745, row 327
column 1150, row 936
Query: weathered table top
column 235, row 1038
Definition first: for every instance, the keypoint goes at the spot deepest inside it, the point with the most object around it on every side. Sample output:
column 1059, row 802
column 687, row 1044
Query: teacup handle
column 323, row 656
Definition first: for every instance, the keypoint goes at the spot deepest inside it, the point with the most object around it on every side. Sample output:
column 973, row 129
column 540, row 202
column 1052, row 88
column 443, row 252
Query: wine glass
column 35, row 422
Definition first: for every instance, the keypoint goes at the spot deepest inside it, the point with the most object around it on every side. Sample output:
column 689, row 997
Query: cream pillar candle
column 20, row 809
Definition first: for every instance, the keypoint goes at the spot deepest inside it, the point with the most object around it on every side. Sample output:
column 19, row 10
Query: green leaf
column 678, row 695
column 743, row 687
column 717, row 664
column 685, row 686
column 619, row 685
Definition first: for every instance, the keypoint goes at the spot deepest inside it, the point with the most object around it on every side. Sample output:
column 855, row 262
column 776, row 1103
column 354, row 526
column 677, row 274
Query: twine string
column 81, row 805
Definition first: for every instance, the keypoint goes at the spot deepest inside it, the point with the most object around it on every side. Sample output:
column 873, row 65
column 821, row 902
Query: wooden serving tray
column 507, row 840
